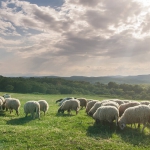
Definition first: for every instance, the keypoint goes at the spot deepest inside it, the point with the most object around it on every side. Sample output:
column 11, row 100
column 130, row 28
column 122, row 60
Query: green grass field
column 63, row 131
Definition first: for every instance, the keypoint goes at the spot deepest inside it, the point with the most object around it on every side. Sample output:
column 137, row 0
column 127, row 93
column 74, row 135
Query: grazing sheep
column 111, row 103
column 126, row 101
column 44, row 106
column 145, row 102
column 106, row 113
column 7, row 96
column 88, row 100
column 12, row 103
column 124, row 106
column 59, row 100
column 65, row 99
column 89, row 105
column 83, row 102
column 118, row 101
column 72, row 104
column 32, row 107
column 2, row 98
column 137, row 114
column 2, row 102
column 94, row 108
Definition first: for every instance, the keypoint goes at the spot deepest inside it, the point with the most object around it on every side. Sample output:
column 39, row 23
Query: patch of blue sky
column 27, row 31
column 51, row 3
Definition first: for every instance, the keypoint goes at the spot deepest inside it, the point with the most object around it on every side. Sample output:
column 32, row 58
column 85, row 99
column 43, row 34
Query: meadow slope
column 65, row 132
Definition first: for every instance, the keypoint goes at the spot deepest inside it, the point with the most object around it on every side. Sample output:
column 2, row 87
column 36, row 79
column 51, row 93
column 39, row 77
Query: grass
column 63, row 131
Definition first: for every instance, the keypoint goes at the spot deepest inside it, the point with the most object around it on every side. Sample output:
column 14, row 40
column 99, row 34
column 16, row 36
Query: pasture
column 63, row 131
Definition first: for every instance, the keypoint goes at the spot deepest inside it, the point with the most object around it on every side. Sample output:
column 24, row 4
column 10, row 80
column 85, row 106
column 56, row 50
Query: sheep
column 2, row 101
column 97, row 105
column 65, row 99
column 32, row 107
column 106, row 113
column 59, row 100
column 72, row 104
column 124, row 106
column 111, row 103
column 90, row 105
column 145, row 102
column 88, row 100
column 118, row 101
column 126, row 101
column 83, row 102
column 137, row 114
column 44, row 106
column 7, row 96
column 1, row 104
column 94, row 108
column 2, row 98
column 12, row 103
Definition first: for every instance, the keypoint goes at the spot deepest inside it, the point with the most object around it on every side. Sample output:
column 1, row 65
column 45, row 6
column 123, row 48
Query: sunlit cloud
column 91, row 38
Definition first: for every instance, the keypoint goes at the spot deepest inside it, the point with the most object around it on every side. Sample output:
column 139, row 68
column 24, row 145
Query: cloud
column 102, row 35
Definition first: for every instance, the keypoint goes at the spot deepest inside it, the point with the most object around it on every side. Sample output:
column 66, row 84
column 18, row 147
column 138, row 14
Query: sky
column 74, row 38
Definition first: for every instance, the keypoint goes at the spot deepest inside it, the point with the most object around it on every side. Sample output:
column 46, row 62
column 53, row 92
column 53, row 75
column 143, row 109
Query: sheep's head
column 121, row 125
column 90, row 113
column 60, row 110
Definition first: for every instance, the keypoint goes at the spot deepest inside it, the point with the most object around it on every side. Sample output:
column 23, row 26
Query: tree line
column 47, row 85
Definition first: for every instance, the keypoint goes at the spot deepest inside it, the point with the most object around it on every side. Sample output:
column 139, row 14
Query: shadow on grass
column 101, row 130
column 2, row 113
column 19, row 121
column 129, row 135
column 65, row 115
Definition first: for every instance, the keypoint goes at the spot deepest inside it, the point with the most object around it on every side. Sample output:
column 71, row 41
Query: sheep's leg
column 76, row 112
column 134, row 125
column 17, row 113
column 97, row 121
column 69, row 111
column 111, row 125
column 26, row 115
column 116, row 118
column 144, row 125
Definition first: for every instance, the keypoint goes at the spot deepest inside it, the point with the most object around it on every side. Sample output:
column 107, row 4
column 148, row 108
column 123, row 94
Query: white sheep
column 1, row 104
column 106, row 113
column 124, row 106
column 32, row 107
column 111, row 103
column 94, row 108
column 72, row 104
column 12, row 103
column 2, row 101
column 137, row 114
column 89, row 105
column 118, row 101
column 145, row 102
column 126, row 101
column 44, row 106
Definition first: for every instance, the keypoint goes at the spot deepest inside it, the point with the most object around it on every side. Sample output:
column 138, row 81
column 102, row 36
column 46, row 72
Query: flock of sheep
column 30, row 107
column 122, row 111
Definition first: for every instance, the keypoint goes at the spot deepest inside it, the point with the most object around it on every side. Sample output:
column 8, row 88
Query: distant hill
column 139, row 79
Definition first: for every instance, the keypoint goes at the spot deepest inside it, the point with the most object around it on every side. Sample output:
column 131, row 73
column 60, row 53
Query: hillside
column 139, row 79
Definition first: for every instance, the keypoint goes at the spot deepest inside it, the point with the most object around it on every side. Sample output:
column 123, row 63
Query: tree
column 9, row 88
